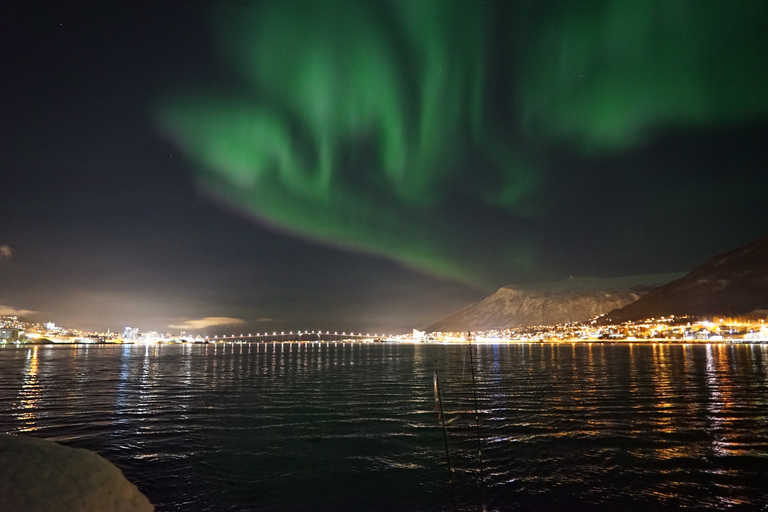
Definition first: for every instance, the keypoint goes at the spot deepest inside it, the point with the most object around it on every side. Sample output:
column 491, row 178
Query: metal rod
column 439, row 399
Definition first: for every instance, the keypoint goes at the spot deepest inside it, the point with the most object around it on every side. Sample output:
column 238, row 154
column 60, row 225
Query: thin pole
column 439, row 398
column 477, row 425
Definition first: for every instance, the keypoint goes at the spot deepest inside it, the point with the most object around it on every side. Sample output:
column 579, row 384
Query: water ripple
column 335, row 426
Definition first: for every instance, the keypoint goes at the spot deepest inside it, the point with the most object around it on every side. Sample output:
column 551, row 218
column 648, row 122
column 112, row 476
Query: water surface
column 332, row 426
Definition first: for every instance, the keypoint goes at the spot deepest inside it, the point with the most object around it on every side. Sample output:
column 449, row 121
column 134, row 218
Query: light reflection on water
column 340, row 426
column 29, row 395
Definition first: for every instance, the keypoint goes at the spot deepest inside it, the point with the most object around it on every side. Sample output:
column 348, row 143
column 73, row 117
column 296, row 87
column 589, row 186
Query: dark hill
column 732, row 284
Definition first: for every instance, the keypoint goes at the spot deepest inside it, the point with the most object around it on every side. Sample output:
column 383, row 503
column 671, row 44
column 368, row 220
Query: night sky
column 367, row 165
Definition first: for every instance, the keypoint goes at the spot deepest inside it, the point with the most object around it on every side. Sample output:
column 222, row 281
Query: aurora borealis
column 349, row 132
column 367, row 163
column 365, row 124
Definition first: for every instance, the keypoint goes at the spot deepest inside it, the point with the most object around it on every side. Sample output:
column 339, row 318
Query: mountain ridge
column 549, row 303
column 730, row 284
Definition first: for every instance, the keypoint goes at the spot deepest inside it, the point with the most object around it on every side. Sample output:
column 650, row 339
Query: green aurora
column 400, row 128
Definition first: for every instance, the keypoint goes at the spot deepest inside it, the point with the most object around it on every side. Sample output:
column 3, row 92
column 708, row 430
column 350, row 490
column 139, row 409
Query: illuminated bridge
column 305, row 336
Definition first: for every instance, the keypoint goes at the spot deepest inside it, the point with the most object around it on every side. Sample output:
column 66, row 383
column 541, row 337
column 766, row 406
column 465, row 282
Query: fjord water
column 342, row 426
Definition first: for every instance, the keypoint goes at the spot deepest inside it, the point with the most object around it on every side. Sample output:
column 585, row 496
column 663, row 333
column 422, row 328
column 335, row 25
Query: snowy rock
column 42, row 476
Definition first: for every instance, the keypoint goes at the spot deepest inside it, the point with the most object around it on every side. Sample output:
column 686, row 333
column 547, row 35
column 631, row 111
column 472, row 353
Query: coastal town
column 665, row 329
column 684, row 329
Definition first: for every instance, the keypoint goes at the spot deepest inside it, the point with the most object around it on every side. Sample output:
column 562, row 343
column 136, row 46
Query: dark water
column 329, row 426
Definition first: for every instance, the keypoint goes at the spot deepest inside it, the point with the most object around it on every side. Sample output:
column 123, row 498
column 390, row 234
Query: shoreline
column 649, row 341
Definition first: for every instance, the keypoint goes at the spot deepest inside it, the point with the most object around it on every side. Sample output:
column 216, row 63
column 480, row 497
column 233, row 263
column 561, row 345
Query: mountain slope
column 734, row 283
column 549, row 303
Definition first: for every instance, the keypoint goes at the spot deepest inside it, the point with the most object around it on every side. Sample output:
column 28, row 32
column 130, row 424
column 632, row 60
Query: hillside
column 734, row 283
column 550, row 303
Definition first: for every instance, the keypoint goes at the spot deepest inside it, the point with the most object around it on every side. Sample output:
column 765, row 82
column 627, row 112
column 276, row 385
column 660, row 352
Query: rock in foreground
column 43, row 476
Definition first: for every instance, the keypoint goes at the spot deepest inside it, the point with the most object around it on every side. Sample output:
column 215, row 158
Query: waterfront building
column 8, row 334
